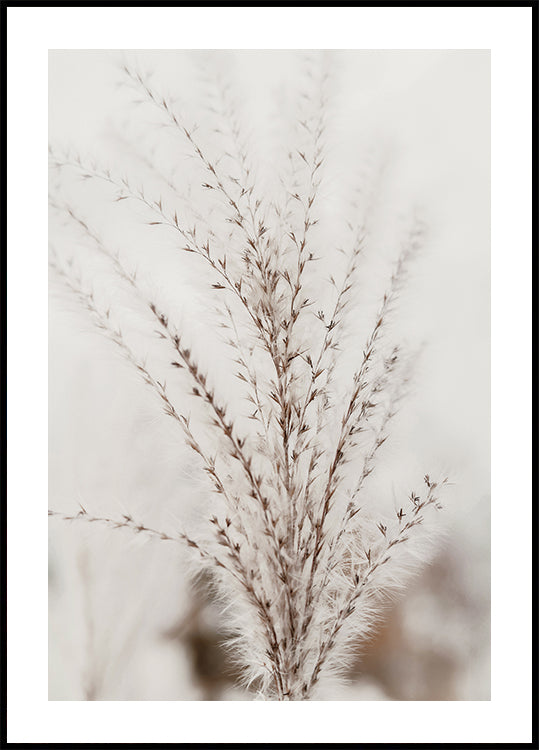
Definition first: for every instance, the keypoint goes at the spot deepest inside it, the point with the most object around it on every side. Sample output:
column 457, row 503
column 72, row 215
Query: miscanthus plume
column 300, row 559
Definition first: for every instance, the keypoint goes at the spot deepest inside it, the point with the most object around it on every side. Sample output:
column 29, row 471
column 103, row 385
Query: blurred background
column 406, row 130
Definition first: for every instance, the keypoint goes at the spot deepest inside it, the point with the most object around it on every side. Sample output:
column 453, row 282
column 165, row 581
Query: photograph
column 269, row 375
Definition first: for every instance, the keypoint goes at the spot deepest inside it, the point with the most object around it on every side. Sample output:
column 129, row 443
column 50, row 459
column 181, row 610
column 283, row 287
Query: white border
column 507, row 32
